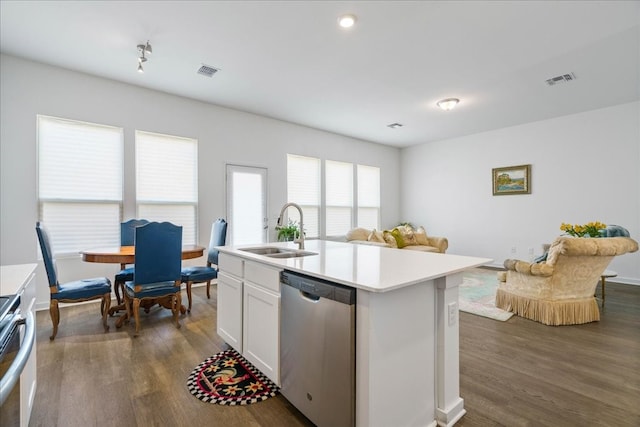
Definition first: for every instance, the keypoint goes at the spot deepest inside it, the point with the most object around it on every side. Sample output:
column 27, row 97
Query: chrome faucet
column 300, row 239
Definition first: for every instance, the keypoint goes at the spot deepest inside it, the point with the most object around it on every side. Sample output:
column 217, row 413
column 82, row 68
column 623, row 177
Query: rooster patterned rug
column 227, row 378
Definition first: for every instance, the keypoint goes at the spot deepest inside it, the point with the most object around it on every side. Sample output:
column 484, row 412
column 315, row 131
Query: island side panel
column 395, row 357
column 450, row 406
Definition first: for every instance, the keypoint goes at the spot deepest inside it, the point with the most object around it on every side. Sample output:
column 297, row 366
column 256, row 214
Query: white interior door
column 246, row 204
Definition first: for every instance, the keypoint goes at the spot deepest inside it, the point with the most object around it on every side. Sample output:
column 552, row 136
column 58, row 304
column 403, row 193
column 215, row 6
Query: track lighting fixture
column 142, row 51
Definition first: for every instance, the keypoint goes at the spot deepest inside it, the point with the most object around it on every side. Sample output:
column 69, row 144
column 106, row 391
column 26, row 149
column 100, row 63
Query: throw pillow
column 389, row 239
column 357, row 234
column 397, row 235
column 376, row 236
column 421, row 236
column 407, row 235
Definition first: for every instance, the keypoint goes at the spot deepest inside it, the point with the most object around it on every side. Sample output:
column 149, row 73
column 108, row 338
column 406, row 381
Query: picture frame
column 511, row 180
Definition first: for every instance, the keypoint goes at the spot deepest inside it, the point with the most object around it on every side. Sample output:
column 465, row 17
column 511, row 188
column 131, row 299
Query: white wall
column 224, row 135
column 585, row 167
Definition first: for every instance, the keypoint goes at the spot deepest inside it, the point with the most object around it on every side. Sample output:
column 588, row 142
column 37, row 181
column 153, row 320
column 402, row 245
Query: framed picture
column 512, row 180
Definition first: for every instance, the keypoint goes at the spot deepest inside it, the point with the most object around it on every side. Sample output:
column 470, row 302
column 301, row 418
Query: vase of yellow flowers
column 590, row 229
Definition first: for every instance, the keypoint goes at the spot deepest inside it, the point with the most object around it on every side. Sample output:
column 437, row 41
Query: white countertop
column 372, row 268
column 14, row 277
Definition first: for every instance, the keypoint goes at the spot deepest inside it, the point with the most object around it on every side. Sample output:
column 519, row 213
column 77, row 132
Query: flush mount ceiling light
column 347, row 21
column 143, row 49
column 448, row 104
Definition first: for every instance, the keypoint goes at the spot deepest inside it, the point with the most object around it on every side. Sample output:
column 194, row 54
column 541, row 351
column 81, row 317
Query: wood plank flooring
column 514, row 373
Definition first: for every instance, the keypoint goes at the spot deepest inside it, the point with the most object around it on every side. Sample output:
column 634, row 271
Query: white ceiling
column 289, row 60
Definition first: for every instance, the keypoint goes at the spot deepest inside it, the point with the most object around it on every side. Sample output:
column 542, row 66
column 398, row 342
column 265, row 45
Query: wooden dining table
column 124, row 255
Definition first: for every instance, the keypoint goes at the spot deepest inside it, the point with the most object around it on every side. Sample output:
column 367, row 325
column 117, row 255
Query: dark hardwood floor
column 514, row 373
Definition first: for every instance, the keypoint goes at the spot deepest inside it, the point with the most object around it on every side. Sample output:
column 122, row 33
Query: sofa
column 402, row 237
column 560, row 290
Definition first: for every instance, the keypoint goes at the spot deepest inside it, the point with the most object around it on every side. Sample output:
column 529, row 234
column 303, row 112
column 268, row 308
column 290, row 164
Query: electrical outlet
column 513, row 250
column 453, row 311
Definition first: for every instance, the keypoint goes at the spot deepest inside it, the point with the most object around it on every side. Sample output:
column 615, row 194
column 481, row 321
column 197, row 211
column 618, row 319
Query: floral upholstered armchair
column 560, row 290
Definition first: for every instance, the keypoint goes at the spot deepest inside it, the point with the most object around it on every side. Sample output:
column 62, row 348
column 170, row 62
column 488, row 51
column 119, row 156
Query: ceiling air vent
column 207, row 70
column 561, row 79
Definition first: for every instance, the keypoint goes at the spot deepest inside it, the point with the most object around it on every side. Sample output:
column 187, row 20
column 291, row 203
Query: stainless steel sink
column 266, row 250
column 292, row 254
column 275, row 252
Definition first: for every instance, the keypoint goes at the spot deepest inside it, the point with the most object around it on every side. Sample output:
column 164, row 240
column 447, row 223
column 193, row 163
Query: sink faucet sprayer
column 300, row 239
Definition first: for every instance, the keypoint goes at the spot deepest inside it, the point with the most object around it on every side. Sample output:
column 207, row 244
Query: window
column 80, row 181
column 167, row 181
column 338, row 197
column 350, row 195
column 368, row 196
column 303, row 188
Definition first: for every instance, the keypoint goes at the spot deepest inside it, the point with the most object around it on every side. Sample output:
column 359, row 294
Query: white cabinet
column 21, row 279
column 229, row 325
column 249, row 311
column 229, row 320
column 261, row 329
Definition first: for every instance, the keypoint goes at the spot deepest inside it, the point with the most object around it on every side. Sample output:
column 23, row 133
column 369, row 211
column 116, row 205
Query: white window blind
column 303, row 188
column 246, row 204
column 80, row 181
column 368, row 180
column 338, row 197
column 167, row 181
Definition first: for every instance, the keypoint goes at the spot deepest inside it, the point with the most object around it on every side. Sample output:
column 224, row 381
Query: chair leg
column 136, row 314
column 189, row 283
column 106, row 303
column 127, row 315
column 176, row 308
column 54, row 312
column 117, row 286
column 208, row 287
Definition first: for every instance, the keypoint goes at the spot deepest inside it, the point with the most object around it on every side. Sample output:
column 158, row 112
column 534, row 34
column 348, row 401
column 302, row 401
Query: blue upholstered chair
column 157, row 269
column 127, row 238
column 199, row 274
column 76, row 291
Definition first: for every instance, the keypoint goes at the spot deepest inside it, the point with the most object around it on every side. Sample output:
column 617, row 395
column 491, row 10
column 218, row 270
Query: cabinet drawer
column 263, row 275
column 231, row 264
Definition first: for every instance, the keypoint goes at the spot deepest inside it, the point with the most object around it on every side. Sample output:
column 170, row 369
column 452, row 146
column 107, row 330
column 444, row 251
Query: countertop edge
column 284, row 265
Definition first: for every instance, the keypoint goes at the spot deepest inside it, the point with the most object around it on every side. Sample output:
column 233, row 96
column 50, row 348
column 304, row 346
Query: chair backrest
column 128, row 231
column 47, row 254
column 218, row 238
column 158, row 253
column 578, row 263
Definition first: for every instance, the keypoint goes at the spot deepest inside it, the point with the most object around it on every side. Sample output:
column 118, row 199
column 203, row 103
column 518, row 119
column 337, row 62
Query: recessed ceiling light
column 448, row 104
column 395, row 125
column 347, row 21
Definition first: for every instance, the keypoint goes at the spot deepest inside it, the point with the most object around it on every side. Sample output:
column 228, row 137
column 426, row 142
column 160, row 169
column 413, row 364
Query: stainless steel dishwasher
column 317, row 349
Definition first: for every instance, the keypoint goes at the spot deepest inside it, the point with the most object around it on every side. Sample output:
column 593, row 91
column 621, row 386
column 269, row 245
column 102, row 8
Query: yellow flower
column 232, row 390
column 253, row 387
column 590, row 229
column 229, row 363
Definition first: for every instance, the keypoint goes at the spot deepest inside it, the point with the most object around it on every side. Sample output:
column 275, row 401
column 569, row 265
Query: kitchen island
column 407, row 340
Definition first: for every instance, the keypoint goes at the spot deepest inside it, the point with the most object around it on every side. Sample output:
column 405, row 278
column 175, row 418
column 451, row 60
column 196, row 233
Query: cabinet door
column 229, row 325
column 261, row 332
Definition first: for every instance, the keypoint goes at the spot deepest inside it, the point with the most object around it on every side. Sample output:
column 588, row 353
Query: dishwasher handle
column 314, row 288
column 309, row 296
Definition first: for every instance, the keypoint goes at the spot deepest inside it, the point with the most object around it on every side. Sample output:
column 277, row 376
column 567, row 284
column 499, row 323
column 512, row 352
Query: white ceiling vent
column 207, row 70
column 561, row 79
